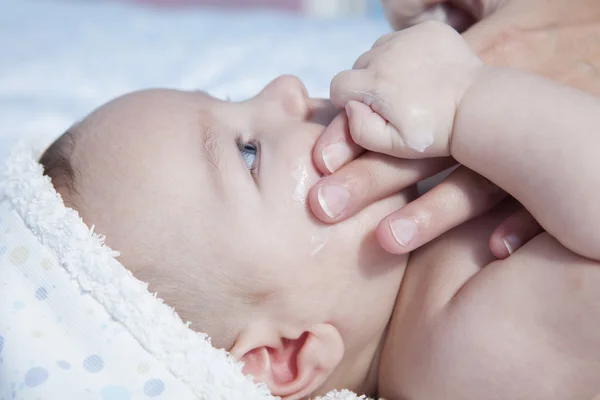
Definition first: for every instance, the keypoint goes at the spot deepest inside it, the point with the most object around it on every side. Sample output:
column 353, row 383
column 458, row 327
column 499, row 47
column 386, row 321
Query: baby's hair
column 57, row 164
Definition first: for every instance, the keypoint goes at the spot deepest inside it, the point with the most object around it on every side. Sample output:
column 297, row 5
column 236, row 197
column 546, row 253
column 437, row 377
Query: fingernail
column 512, row 243
column 335, row 155
column 333, row 199
column 404, row 230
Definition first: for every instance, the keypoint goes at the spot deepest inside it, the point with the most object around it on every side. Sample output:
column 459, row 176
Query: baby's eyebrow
column 213, row 151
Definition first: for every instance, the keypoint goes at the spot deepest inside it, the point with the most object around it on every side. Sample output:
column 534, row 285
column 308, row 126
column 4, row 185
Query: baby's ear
column 291, row 367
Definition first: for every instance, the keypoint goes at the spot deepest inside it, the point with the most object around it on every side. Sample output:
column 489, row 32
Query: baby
column 207, row 201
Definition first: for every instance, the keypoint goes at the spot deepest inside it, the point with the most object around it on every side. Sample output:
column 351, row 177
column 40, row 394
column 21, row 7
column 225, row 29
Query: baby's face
column 206, row 200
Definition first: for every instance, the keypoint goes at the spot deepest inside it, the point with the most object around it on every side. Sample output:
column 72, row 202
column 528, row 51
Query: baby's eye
column 249, row 152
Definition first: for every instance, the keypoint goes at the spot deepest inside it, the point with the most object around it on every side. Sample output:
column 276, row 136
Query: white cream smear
column 300, row 174
column 419, row 129
column 300, row 194
column 419, row 126
column 318, row 242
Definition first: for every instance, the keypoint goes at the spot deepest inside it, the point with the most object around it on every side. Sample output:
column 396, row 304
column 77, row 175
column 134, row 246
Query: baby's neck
column 360, row 372
column 371, row 382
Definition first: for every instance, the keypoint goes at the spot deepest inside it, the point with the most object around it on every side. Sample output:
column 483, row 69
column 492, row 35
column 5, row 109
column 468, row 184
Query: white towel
column 76, row 324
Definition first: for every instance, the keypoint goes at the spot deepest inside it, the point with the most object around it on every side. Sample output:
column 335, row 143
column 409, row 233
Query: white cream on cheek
column 300, row 174
column 319, row 241
column 300, row 194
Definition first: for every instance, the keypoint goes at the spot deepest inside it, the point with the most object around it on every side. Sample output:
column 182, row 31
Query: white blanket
column 75, row 324
column 65, row 329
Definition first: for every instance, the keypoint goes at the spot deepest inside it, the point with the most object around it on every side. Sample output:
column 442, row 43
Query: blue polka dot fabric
column 35, row 376
column 154, row 387
column 93, row 364
column 41, row 294
column 59, row 343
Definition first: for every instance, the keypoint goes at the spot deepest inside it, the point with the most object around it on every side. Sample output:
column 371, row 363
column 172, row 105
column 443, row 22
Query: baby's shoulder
column 463, row 316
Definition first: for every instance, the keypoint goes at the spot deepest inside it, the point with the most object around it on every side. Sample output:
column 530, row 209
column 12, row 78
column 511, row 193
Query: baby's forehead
column 156, row 100
column 148, row 113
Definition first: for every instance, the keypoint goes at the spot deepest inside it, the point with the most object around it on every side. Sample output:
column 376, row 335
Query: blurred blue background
column 314, row 8
column 61, row 59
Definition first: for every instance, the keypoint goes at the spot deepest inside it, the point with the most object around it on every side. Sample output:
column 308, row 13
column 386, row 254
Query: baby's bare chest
column 523, row 328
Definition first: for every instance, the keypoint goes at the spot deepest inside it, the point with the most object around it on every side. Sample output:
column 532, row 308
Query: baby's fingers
column 400, row 120
column 513, row 233
column 369, row 130
column 355, row 84
column 460, row 197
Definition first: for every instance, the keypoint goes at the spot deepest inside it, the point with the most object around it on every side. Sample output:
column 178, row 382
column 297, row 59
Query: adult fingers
column 335, row 147
column 514, row 232
column 371, row 177
column 462, row 196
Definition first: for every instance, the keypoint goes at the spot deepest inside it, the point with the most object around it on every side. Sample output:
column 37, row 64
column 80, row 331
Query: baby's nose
column 291, row 93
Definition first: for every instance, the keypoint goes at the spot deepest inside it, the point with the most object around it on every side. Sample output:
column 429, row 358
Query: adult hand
column 401, row 100
column 557, row 38
column 554, row 38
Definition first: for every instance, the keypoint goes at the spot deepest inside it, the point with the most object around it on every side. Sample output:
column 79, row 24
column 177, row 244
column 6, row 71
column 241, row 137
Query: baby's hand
column 401, row 100
column 401, row 97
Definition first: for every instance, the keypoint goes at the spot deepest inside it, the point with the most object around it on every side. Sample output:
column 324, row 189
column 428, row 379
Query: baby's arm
column 422, row 93
column 540, row 142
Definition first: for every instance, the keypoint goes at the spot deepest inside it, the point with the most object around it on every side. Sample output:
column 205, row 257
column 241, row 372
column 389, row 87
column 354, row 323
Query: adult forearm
column 558, row 39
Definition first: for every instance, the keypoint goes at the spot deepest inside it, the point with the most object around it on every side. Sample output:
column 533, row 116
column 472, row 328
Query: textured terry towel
column 75, row 324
